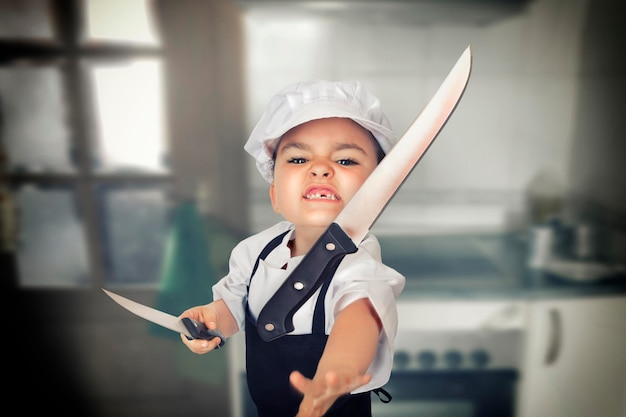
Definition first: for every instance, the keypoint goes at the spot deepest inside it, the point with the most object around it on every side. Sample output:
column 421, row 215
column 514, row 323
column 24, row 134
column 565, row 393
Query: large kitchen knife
column 353, row 223
column 191, row 328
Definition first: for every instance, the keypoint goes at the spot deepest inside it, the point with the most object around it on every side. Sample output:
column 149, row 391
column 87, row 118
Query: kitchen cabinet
column 575, row 358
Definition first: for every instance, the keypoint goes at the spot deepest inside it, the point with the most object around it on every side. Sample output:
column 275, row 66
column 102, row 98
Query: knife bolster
column 276, row 317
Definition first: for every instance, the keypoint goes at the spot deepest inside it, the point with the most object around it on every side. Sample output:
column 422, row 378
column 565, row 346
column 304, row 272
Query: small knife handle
column 276, row 317
column 200, row 331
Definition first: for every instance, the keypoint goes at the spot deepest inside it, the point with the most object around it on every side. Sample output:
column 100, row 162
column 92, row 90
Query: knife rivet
column 330, row 246
column 298, row 285
column 269, row 327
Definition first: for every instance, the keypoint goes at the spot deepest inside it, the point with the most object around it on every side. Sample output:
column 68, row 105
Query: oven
column 455, row 359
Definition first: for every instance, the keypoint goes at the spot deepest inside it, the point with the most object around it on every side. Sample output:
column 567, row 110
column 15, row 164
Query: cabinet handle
column 555, row 338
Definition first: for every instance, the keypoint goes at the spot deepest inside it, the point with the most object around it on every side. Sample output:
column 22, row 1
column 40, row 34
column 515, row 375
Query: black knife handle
column 200, row 331
column 276, row 317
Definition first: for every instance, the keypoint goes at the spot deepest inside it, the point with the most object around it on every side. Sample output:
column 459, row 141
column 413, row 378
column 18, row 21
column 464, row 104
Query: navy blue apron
column 269, row 364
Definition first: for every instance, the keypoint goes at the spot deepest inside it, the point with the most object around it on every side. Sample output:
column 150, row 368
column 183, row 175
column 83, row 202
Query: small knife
column 191, row 328
column 353, row 223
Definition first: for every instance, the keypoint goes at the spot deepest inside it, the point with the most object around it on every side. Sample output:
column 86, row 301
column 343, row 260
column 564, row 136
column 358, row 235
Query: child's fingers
column 299, row 381
column 200, row 346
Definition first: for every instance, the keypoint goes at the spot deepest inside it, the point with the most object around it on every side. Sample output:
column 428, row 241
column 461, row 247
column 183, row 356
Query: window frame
column 68, row 50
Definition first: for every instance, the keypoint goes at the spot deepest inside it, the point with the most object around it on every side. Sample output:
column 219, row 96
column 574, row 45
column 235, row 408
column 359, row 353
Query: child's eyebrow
column 297, row 145
column 343, row 145
column 339, row 147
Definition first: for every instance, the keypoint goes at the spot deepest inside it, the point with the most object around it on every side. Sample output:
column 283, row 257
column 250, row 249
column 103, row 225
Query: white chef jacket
column 359, row 275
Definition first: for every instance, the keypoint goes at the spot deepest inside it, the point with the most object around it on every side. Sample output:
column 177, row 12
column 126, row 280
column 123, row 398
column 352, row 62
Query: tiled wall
column 516, row 122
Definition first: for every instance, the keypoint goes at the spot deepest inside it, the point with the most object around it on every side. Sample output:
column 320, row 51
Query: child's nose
column 321, row 169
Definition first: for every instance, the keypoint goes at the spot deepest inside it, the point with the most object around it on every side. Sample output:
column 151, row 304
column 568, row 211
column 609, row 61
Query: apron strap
column 266, row 251
column 385, row 398
column 319, row 316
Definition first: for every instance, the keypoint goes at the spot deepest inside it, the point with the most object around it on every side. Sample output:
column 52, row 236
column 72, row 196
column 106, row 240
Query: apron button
column 269, row 327
column 298, row 285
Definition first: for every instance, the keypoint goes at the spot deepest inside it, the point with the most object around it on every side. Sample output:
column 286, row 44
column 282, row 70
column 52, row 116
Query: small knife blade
column 355, row 220
column 192, row 329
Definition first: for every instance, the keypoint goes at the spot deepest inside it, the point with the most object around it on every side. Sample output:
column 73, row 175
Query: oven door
column 437, row 394
column 488, row 393
column 417, row 408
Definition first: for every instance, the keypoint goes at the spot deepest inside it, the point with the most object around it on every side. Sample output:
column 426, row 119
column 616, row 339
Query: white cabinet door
column 575, row 359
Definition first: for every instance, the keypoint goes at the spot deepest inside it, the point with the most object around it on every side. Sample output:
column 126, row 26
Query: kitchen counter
column 490, row 266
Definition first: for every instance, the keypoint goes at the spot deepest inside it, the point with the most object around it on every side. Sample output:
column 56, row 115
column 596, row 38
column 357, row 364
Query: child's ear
column 273, row 198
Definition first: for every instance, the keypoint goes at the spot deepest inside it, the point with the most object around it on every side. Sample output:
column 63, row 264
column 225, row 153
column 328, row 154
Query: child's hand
column 207, row 315
column 321, row 392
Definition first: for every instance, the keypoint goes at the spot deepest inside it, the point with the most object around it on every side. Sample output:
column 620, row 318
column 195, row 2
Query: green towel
column 196, row 256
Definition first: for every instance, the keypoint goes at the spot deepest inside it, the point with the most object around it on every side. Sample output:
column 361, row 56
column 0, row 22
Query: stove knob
column 453, row 358
column 480, row 358
column 427, row 359
column 401, row 360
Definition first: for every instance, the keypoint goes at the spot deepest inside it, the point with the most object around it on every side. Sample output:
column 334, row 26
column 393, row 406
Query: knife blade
column 355, row 220
column 192, row 329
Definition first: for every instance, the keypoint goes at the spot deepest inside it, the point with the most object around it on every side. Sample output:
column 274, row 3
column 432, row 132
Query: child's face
column 319, row 167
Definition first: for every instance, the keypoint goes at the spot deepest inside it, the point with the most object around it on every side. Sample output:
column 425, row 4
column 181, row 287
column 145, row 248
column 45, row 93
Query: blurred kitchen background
column 122, row 124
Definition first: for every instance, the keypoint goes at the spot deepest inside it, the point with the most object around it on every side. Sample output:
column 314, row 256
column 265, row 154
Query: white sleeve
column 233, row 288
column 363, row 275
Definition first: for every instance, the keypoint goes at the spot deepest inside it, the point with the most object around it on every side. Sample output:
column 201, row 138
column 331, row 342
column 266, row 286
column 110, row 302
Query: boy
column 315, row 144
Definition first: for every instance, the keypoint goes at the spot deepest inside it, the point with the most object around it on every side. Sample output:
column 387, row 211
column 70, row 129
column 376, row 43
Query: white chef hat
column 305, row 101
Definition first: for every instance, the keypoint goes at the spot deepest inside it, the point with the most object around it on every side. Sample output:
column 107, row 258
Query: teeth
column 321, row 196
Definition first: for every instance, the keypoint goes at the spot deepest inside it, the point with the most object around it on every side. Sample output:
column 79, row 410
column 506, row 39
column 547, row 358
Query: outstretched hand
column 321, row 392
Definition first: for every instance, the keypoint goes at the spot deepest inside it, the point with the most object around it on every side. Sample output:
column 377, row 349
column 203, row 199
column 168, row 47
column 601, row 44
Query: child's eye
column 347, row 162
column 296, row 160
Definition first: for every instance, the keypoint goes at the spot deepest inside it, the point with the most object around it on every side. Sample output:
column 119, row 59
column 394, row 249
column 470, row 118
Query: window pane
column 34, row 117
column 135, row 222
column 51, row 249
column 121, row 20
column 130, row 117
column 25, row 19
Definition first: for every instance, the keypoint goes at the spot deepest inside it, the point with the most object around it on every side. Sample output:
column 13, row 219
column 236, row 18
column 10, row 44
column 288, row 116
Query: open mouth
column 321, row 196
